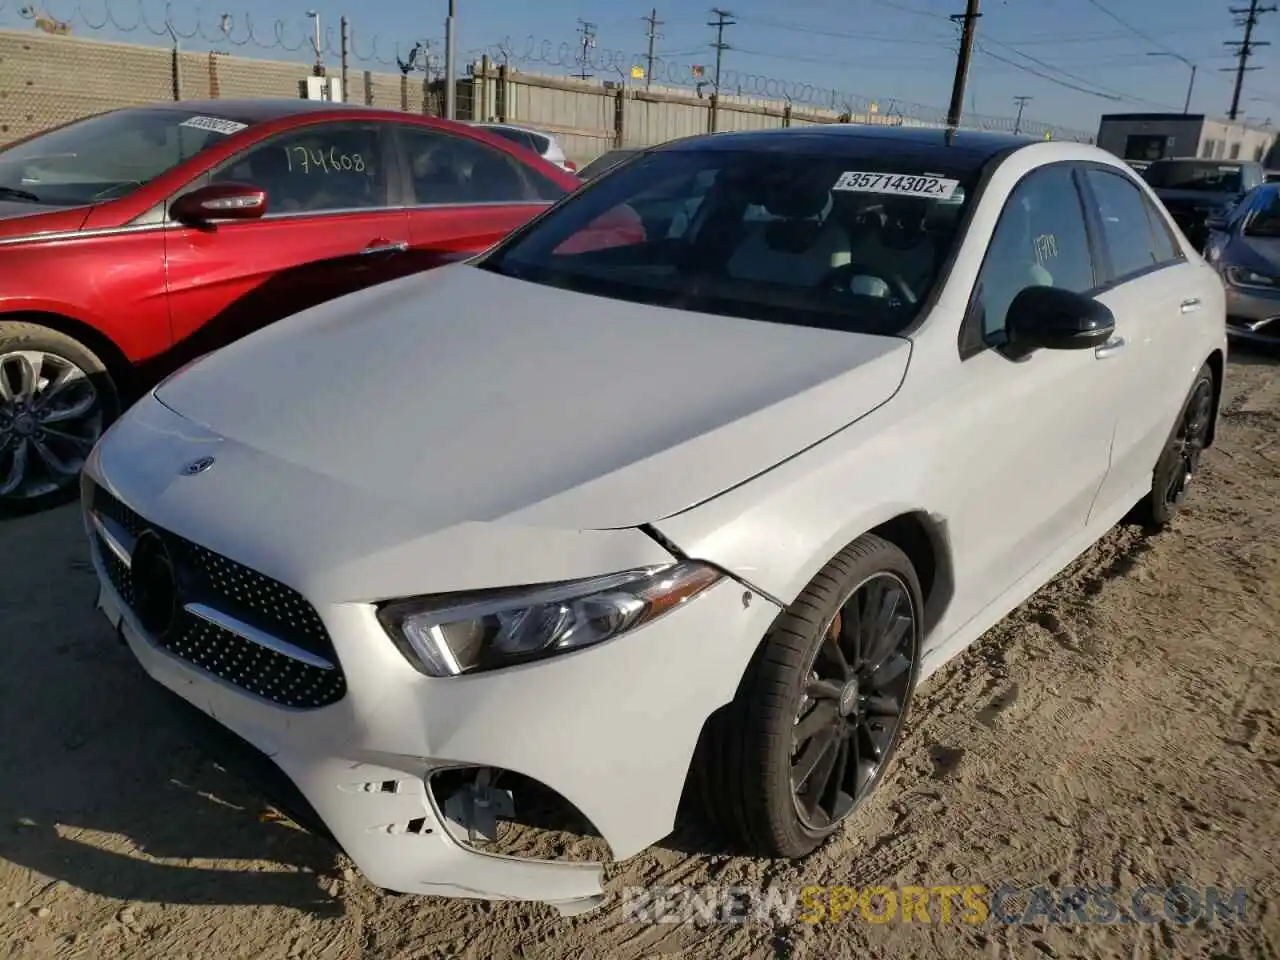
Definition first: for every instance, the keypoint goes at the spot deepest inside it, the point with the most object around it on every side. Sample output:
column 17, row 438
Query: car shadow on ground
column 101, row 790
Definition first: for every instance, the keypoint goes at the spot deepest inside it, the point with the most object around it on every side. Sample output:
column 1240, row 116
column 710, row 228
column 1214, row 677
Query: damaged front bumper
column 611, row 730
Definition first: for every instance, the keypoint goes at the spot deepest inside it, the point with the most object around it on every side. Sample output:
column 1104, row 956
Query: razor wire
column 605, row 63
column 159, row 19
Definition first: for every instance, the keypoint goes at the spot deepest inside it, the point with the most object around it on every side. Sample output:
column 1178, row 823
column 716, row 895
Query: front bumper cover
column 612, row 729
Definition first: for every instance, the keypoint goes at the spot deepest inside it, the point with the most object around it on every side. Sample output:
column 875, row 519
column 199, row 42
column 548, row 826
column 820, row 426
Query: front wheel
column 1180, row 457
column 821, row 709
column 56, row 398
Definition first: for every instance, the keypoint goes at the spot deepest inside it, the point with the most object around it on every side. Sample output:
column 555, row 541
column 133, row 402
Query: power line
column 721, row 21
column 1245, row 48
column 1108, row 92
column 937, row 41
column 1134, row 30
column 1044, row 76
column 654, row 24
column 587, row 30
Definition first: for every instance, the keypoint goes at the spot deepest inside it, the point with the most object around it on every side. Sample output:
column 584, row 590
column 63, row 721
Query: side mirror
column 219, row 201
column 1051, row 318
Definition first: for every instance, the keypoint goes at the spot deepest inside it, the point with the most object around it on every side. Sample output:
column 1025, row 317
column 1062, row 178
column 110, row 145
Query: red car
column 134, row 240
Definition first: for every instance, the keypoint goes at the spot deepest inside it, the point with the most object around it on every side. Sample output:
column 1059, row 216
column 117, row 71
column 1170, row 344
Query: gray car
column 1244, row 246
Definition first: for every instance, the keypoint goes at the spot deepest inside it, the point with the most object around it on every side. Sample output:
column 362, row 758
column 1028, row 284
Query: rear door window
column 446, row 169
column 1126, row 225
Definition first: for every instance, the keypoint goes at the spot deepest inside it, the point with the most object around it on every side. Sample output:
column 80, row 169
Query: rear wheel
column 1181, row 455
column 56, row 398
column 821, row 709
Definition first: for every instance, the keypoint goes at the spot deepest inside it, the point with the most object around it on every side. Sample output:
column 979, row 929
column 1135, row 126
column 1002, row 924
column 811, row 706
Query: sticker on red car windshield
column 214, row 125
column 902, row 185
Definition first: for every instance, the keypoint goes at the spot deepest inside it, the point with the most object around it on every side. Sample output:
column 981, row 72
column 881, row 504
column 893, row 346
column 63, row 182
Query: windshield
column 1184, row 175
column 1265, row 219
column 841, row 242
column 105, row 157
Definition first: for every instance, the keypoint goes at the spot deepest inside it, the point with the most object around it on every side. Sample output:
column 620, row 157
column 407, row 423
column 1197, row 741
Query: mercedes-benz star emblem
column 197, row 466
column 155, row 585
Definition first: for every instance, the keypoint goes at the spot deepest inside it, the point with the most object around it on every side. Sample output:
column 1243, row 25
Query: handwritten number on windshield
column 323, row 161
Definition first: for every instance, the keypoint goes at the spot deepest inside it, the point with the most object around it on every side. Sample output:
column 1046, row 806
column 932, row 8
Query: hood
column 476, row 397
column 1254, row 253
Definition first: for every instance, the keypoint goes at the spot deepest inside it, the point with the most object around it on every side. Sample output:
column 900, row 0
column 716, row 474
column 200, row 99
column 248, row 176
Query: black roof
column 256, row 111
column 956, row 148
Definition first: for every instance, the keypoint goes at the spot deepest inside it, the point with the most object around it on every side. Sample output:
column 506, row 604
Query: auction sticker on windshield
column 214, row 124
column 903, row 185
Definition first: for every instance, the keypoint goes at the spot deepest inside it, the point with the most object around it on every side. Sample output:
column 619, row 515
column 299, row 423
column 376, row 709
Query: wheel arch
column 919, row 534
column 117, row 363
column 1217, row 363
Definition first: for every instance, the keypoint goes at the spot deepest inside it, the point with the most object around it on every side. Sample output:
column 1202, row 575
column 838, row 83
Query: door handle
column 1110, row 348
column 1190, row 305
column 379, row 246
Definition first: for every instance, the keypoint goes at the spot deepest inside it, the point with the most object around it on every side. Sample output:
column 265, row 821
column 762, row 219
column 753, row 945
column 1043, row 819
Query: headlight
column 1241, row 277
column 444, row 637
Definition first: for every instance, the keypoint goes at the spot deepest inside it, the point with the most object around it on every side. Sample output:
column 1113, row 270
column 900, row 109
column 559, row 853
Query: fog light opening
column 508, row 814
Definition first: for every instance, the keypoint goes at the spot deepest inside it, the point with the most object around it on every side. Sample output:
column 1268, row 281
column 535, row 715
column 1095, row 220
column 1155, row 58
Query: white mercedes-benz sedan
column 681, row 489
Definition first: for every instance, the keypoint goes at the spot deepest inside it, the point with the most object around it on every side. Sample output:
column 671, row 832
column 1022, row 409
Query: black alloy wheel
column 821, row 708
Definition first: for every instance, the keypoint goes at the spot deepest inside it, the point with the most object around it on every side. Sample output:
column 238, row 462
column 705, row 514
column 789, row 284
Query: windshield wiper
column 13, row 193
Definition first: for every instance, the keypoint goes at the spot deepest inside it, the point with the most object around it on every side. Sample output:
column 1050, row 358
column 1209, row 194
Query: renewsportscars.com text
column 946, row 904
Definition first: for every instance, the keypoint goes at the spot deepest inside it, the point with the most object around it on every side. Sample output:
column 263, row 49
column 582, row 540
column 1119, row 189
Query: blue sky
column 1076, row 59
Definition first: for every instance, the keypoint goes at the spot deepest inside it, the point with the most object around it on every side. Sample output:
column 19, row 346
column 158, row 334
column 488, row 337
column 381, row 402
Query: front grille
column 249, row 597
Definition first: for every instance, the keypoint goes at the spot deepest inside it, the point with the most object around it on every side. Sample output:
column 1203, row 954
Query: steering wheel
column 841, row 279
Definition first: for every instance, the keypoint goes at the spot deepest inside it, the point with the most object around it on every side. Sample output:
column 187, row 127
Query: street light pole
column 1186, row 107
column 319, row 68
column 450, row 65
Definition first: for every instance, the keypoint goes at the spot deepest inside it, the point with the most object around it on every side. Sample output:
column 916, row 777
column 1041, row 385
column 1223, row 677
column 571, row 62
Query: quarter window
column 316, row 169
column 1040, row 240
column 1166, row 248
column 445, row 168
column 1126, row 226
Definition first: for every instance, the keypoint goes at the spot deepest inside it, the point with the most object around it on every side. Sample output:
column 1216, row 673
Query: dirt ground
column 1121, row 728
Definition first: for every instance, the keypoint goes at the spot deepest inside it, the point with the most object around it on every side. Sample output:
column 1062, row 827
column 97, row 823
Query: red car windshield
column 105, row 157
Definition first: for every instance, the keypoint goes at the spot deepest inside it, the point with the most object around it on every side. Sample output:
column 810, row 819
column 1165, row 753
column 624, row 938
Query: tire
column 1181, row 455
column 46, row 430
column 745, row 763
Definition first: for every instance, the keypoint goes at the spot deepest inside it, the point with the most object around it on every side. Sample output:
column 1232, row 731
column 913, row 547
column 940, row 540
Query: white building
column 1153, row 136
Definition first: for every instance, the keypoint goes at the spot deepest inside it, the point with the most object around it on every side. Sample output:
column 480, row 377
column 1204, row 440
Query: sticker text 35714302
column 902, row 185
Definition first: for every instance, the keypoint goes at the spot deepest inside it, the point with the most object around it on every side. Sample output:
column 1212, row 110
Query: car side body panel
column 1006, row 470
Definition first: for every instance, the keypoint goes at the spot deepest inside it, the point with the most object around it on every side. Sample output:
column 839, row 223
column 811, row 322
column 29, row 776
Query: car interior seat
column 799, row 246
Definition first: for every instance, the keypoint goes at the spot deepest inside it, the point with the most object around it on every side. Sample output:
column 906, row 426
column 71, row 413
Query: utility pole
column 588, row 32
column 343, row 53
column 654, row 24
column 721, row 21
column 1245, row 48
column 1017, row 124
column 450, row 64
column 968, row 22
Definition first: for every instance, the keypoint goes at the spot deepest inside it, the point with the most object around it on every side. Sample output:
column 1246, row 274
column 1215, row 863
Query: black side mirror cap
column 1050, row 318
